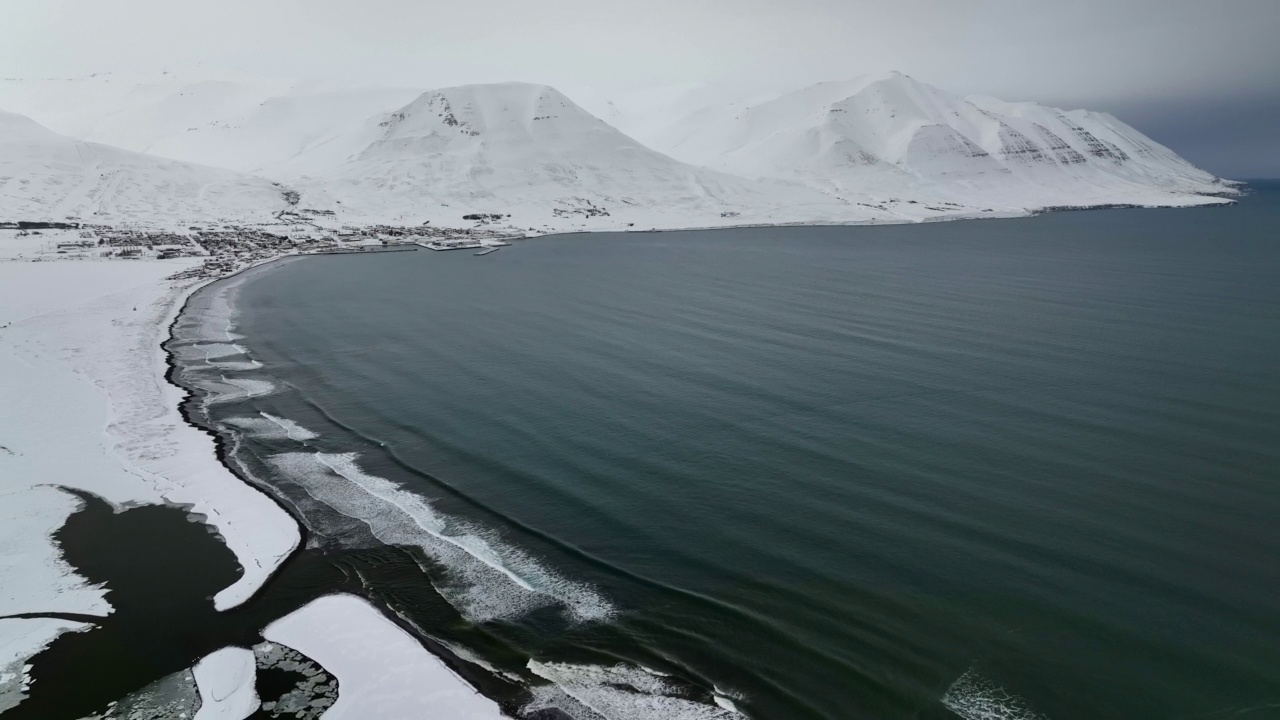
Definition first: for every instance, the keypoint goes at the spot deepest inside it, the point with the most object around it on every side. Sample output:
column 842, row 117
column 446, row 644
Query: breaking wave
column 218, row 355
column 488, row 578
column 242, row 389
column 974, row 697
column 619, row 692
column 219, row 350
column 237, row 365
column 270, row 427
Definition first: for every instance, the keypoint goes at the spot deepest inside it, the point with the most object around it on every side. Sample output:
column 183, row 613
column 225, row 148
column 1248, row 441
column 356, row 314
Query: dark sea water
column 1025, row 467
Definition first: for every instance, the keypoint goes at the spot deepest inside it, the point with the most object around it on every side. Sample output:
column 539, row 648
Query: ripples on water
column 1015, row 468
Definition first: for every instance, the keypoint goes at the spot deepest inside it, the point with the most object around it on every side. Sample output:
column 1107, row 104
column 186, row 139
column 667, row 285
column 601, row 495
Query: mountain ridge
column 528, row 150
column 912, row 139
column 880, row 148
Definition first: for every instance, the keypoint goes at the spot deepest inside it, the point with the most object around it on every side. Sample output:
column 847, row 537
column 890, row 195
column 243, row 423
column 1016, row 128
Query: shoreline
column 190, row 399
column 495, row 688
column 220, row 452
column 89, row 409
column 513, row 688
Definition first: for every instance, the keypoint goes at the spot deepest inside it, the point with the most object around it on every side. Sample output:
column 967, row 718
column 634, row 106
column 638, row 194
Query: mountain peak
column 466, row 118
column 890, row 133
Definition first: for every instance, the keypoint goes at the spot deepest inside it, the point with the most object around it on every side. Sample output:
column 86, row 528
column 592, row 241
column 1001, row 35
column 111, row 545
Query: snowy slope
column 897, row 139
column 137, row 111
column 46, row 176
column 872, row 149
column 279, row 129
column 218, row 119
column 528, row 151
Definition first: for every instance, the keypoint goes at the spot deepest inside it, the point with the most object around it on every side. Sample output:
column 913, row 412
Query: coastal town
column 229, row 248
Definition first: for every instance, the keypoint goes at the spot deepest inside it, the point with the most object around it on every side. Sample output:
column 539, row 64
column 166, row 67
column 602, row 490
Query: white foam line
column 356, row 478
column 483, row 570
column 271, row 427
column 292, row 430
column 600, row 689
column 212, row 352
column 725, row 699
column 215, row 350
column 237, row 366
column 249, row 389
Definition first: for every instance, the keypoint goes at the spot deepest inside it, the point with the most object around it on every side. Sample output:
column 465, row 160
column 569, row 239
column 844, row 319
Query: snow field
column 382, row 671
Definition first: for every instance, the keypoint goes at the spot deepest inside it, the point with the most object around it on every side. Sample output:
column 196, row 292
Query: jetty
column 461, row 244
column 407, row 247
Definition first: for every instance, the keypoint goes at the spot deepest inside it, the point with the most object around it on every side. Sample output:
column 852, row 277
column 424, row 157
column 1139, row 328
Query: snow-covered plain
column 382, row 671
column 85, row 404
column 89, row 406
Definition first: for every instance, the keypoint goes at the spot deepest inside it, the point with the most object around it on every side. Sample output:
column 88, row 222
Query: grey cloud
column 1158, row 62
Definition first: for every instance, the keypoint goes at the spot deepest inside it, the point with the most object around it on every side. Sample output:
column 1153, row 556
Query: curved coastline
column 192, row 396
column 522, row 681
column 477, row 679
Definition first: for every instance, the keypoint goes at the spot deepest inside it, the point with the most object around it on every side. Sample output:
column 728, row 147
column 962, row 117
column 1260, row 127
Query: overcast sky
column 1202, row 76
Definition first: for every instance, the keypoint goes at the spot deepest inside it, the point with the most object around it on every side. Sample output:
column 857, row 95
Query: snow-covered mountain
column 275, row 132
column 899, row 140
column 45, row 176
column 217, row 119
column 529, row 152
column 137, row 111
column 873, row 149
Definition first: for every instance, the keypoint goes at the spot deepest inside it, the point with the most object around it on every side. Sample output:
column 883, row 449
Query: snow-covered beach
column 87, row 406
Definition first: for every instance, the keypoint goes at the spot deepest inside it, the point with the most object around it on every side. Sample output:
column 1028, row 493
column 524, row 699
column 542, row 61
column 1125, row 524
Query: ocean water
column 1001, row 469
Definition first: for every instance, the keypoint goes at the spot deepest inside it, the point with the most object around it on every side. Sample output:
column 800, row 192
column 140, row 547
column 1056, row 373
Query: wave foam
column 726, row 700
column 237, row 365
column 270, row 427
column 244, row 389
column 215, row 355
column 218, row 350
column 619, row 692
column 974, row 697
column 488, row 579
